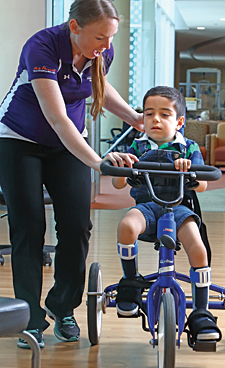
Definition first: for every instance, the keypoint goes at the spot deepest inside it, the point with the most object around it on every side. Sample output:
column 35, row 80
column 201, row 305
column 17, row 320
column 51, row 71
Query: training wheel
column 94, row 303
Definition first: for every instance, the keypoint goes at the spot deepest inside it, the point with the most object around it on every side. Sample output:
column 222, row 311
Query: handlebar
column 199, row 172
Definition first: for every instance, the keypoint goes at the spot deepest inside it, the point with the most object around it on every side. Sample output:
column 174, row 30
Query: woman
column 43, row 141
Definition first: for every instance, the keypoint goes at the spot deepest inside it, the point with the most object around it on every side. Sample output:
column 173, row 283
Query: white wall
column 19, row 19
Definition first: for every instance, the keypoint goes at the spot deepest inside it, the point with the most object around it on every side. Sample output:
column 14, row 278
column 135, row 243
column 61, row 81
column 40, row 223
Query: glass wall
column 152, row 46
column 57, row 11
column 135, row 52
column 165, row 42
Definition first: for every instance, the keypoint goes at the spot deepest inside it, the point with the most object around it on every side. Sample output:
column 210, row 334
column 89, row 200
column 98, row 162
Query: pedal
column 209, row 346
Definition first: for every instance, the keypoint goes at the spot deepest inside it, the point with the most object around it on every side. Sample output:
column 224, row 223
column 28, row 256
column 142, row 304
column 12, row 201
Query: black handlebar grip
column 107, row 168
column 202, row 172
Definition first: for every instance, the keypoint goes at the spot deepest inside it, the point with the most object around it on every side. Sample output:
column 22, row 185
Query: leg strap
column 128, row 251
column 200, row 282
column 201, row 276
column 131, row 289
column 200, row 320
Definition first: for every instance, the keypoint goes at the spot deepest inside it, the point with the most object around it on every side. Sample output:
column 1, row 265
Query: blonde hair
column 86, row 12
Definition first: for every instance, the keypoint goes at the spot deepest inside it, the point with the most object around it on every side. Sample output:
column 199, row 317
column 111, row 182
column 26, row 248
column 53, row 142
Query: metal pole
column 118, row 141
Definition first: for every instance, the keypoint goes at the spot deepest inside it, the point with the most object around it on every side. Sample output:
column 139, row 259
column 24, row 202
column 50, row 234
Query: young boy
column 164, row 110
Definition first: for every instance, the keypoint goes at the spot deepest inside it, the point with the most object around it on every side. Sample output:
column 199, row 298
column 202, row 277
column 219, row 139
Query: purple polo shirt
column 47, row 54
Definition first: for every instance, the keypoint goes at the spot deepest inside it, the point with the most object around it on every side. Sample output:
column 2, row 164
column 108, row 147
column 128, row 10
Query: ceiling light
column 200, row 27
column 222, row 18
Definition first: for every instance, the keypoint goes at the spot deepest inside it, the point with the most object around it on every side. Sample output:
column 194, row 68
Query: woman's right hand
column 120, row 159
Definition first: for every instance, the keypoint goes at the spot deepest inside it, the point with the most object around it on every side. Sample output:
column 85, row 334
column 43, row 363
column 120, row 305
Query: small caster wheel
column 2, row 260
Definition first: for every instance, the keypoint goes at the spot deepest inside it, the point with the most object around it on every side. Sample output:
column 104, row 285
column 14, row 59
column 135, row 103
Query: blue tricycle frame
column 165, row 305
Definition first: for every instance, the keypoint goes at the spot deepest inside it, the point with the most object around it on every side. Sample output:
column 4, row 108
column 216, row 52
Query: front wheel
column 167, row 332
column 94, row 303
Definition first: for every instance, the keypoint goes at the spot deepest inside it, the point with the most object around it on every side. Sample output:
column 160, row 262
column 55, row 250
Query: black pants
column 24, row 168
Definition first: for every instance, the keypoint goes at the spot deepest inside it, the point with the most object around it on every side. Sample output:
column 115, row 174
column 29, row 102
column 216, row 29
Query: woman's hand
column 120, row 159
column 139, row 122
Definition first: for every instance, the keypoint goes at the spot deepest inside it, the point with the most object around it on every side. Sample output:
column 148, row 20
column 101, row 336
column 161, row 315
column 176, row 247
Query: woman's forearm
column 53, row 107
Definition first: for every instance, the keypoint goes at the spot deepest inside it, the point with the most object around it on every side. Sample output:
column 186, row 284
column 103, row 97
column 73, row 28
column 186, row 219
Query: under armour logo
column 66, row 76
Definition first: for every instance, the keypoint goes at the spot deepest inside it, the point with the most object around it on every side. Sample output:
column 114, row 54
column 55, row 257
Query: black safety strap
column 199, row 320
column 130, row 289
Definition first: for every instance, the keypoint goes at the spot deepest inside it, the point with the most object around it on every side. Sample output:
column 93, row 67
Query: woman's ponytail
column 88, row 12
column 98, row 86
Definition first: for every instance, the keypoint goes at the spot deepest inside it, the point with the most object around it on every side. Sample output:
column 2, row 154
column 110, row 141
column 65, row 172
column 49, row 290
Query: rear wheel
column 167, row 332
column 94, row 303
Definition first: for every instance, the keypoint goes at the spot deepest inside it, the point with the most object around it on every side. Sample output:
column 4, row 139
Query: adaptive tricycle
column 164, row 302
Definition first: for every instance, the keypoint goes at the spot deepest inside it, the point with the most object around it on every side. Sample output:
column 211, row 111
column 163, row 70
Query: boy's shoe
column 126, row 309
column 66, row 328
column 38, row 334
column 203, row 326
column 208, row 335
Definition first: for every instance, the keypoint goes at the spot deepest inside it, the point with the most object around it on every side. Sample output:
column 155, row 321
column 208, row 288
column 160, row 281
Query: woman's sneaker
column 38, row 334
column 66, row 328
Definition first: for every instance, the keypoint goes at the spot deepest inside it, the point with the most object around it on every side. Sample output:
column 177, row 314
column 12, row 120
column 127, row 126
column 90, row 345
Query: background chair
column 7, row 249
column 200, row 133
column 14, row 318
column 218, row 146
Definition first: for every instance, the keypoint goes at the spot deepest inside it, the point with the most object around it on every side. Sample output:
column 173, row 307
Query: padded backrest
column 221, row 134
column 196, row 131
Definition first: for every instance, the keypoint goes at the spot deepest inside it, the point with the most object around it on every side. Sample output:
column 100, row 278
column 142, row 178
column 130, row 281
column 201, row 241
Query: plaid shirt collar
column 178, row 139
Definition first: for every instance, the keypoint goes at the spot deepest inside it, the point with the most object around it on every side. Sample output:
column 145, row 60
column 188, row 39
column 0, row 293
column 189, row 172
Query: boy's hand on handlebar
column 121, row 159
column 182, row 164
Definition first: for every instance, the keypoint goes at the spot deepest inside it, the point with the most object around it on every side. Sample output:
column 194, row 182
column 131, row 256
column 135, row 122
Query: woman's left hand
column 139, row 122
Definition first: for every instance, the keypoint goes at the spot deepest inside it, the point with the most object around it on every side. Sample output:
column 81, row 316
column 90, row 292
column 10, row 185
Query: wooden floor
column 123, row 343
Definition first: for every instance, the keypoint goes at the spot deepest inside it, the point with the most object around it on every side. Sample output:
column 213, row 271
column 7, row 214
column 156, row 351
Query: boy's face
column 160, row 119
